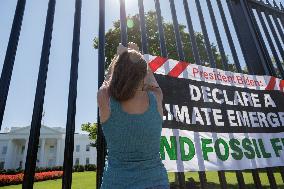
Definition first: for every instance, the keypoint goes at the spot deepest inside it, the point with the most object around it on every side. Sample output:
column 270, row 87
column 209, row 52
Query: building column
column 25, row 153
column 58, row 149
column 9, row 156
column 41, row 156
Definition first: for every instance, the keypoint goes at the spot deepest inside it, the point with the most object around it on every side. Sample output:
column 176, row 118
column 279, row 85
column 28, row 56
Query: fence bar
column 275, row 4
column 71, row 111
column 279, row 29
column 180, row 175
column 191, row 33
column 39, row 100
column 217, row 35
column 256, row 179
column 229, row 36
column 281, row 169
column 275, row 55
column 202, row 179
column 101, row 143
column 266, row 54
column 249, row 43
column 205, row 35
column 123, row 24
column 144, row 41
column 240, row 179
column 10, row 56
column 271, row 178
column 267, row 6
column 163, row 47
column 279, row 46
column 235, row 22
column 176, row 30
column 222, row 179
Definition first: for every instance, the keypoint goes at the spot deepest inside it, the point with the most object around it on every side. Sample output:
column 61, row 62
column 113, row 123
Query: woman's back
column 133, row 142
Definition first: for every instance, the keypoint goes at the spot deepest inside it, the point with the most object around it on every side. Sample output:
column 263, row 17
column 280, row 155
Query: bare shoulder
column 103, row 103
column 102, row 94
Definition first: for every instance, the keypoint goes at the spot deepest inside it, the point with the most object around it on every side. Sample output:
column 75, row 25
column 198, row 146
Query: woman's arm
column 107, row 79
column 151, row 84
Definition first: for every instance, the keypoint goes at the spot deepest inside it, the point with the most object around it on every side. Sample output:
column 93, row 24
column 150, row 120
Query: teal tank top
column 133, row 148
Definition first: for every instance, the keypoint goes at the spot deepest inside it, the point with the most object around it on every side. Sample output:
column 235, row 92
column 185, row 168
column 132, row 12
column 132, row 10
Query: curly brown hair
column 128, row 72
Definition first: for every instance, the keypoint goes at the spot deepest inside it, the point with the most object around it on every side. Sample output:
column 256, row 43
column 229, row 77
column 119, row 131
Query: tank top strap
column 152, row 101
column 114, row 105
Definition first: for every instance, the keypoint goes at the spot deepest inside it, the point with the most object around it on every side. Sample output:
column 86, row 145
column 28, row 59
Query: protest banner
column 218, row 120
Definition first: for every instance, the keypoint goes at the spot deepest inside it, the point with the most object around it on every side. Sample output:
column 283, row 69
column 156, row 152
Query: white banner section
column 183, row 150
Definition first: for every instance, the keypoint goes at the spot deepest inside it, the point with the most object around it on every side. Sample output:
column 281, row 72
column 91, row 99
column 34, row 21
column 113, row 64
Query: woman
column 130, row 106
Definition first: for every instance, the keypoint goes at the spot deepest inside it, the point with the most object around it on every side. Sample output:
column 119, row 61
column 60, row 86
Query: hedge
column 76, row 168
column 18, row 178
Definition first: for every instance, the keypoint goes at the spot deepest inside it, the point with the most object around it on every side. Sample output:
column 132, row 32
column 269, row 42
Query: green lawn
column 87, row 180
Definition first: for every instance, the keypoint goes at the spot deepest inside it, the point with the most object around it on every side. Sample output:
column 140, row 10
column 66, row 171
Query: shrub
column 78, row 168
column 90, row 167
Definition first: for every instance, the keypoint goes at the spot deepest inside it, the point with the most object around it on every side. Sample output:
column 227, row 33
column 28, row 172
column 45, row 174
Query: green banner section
column 238, row 149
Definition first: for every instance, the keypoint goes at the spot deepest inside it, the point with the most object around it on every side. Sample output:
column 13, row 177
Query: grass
column 87, row 180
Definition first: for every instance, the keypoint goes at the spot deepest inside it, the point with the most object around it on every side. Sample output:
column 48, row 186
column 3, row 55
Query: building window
column 2, row 165
column 87, row 161
column 23, row 149
column 51, row 149
column 77, row 161
column 77, row 148
column 88, row 147
column 20, row 164
column 51, row 162
column 4, row 150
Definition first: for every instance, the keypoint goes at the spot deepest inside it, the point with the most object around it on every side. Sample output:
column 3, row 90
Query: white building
column 13, row 148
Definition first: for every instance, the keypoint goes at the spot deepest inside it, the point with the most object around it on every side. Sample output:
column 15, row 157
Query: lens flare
column 130, row 23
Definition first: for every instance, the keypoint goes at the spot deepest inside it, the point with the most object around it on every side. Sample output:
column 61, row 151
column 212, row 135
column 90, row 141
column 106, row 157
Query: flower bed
column 18, row 178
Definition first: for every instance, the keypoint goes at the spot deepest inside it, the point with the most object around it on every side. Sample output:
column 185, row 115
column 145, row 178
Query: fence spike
column 281, row 6
column 268, row 3
column 275, row 4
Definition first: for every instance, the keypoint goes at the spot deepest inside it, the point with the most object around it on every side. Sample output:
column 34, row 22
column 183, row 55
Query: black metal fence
column 259, row 28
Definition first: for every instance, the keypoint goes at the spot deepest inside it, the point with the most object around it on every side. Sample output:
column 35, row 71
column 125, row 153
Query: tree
column 134, row 35
column 92, row 129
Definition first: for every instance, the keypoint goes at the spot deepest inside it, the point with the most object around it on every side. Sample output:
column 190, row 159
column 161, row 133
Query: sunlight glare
column 128, row 3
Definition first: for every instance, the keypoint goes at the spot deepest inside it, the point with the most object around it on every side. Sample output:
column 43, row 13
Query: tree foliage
column 113, row 38
column 92, row 129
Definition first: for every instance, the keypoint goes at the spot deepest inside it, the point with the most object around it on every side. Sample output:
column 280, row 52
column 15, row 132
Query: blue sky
column 23, row 84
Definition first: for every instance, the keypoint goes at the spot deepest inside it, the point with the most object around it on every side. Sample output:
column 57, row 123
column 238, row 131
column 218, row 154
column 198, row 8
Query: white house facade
column 14, row 144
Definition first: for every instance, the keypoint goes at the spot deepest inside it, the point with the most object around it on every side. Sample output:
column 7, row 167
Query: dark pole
column 176, row 30
column 205, row 34
column 229, row 36
column 123, row 24
column 218, row 36
column 71, row 111
column 163, row 47
column 250, row 43
column 144, row 41
column 10, row 56
column 39, row 100
column 101, row 143
column 270, row 42
column 191, row 33
column 180, row 175
column 265, row 50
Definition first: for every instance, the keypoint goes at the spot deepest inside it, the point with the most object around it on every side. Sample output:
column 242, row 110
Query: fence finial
column 268, row 3
column 275, row 4
column 281, row 6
